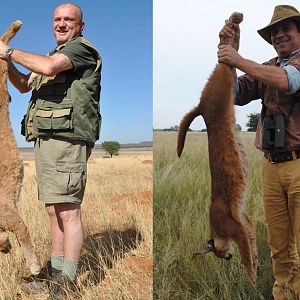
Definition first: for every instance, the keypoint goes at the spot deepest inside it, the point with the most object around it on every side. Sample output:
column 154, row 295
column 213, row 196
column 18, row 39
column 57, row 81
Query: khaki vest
column 65, row 105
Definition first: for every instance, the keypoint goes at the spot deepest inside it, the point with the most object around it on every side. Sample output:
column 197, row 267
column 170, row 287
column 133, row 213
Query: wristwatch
column 9, row 52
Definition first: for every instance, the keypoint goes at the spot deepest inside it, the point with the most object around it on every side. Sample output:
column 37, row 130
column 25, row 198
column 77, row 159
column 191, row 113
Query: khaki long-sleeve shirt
column 275, row 102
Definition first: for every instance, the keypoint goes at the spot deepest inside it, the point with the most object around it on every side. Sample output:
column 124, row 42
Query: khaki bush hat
column 281, row 12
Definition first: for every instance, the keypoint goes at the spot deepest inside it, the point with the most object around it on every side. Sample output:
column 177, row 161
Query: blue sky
column 122, row 32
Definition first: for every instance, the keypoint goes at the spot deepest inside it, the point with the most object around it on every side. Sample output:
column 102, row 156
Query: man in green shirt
column 63, row 119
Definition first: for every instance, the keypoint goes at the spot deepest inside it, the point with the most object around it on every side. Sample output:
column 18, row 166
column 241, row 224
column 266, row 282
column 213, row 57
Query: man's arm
column 39, row 64
column 269, row 75
column 42, row 64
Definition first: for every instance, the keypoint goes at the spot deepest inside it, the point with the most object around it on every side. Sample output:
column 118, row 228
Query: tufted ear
column 228, row 256
column 208, row 247
column 5, row 245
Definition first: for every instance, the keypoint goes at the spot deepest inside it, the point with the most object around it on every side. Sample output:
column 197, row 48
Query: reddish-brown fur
column 228, row 166
column 11, row 173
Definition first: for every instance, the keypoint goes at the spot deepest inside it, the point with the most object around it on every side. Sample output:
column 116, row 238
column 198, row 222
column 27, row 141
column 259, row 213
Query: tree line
column 251, row 124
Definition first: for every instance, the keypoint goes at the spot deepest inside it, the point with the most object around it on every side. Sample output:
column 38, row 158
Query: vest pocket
column 55, row 119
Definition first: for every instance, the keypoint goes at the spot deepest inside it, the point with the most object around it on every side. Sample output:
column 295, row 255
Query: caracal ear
column 208, row 247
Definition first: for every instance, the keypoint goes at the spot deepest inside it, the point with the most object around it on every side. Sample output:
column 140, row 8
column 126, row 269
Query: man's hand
column 3, row 48
column 231, row 29
column 228, row 55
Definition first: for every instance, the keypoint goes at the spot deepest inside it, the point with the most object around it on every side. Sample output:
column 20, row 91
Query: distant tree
column 238, row 127
column 111, row 147
column 252, row 122
column 175, row 128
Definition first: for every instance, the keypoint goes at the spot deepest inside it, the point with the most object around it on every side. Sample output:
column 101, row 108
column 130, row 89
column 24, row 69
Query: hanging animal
column 11, row 173
column 228, row 167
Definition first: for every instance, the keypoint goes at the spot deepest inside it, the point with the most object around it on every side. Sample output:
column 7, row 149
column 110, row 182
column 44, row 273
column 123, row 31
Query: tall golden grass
column 181, row 227
column 116, row 261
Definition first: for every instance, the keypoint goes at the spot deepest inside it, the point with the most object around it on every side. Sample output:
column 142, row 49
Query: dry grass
column 116, row 261
column 182, row 191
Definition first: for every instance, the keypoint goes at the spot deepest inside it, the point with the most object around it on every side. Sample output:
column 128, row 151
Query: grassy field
column 181, row 205
column 116, row 261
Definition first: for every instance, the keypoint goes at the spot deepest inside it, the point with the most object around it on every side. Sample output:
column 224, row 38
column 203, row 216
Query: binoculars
column 273, row 132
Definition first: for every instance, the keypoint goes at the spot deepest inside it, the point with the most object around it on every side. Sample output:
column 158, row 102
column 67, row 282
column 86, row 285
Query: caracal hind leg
column 11, row 31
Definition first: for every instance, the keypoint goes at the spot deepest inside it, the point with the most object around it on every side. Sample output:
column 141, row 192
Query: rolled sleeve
column 293, row 78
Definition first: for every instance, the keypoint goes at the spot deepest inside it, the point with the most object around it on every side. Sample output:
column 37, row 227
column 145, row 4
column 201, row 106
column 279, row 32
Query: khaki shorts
column 61, row 169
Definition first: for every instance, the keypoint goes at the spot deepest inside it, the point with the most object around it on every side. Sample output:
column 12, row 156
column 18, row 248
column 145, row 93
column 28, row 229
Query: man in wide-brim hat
column 281, row 13
column 277, row 83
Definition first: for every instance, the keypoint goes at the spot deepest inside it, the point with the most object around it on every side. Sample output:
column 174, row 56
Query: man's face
column 285, row 38
column 67, row 23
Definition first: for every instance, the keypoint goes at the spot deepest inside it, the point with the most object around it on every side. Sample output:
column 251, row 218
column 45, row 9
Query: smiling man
column 284, row 37
column 63, row 120
column 277, row 83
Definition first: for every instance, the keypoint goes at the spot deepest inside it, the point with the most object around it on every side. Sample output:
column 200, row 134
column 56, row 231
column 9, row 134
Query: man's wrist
column 8, row 53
